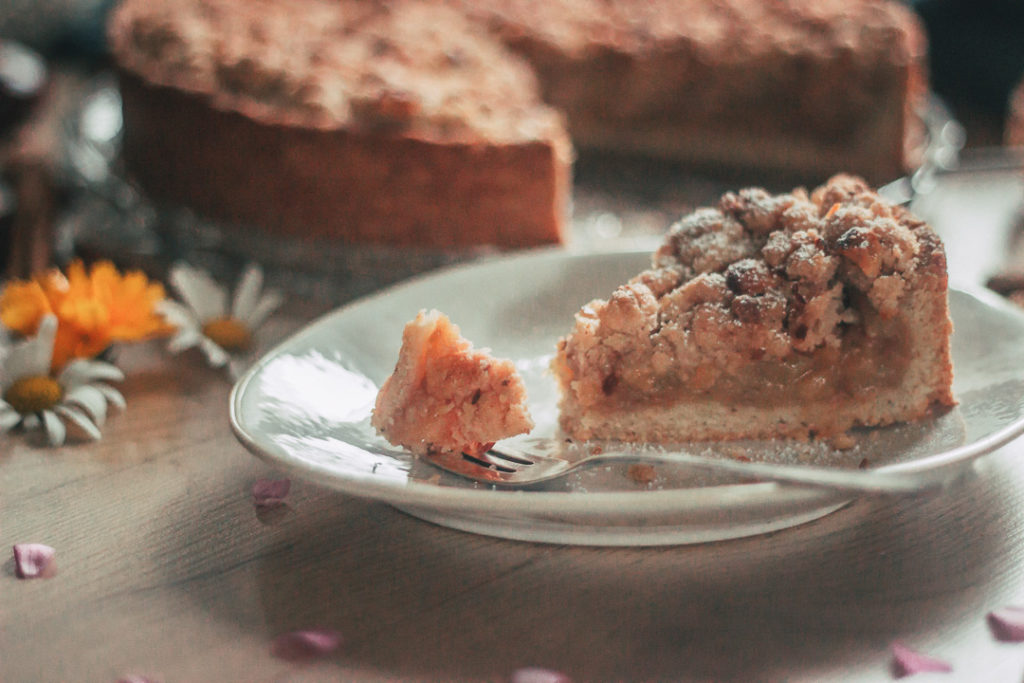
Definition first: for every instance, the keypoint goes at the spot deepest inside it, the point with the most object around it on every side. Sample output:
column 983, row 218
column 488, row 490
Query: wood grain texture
column 166, row 569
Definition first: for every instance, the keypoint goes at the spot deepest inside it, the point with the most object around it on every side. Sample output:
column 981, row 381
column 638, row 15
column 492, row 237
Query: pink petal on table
column 305, row 644
column 534, row 674
column 33, row 560
column 1007, row 624
column 907, row 662
column 135, row 678
column 270, row 492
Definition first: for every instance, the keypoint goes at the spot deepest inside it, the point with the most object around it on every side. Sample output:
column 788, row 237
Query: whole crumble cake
column 447, row 397
column 442, row 124
column 788, row 315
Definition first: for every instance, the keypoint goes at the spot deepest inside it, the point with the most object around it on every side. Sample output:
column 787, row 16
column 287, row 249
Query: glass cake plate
column 305, row 407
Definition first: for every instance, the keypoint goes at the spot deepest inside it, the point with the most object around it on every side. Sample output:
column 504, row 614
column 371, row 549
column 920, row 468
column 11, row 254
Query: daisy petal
column 185, row 339
column 1007, row 624
column 217, row 356
column 247, row 292
column 80, row 419
column 135, row 678
column 30, row 421
column 305, row 644
column 32, row 356
column 269, row 303
column 176, row 315
column 56, row 432
column 113, row 396
column 199, row 291
column 907, row 662
column 34, row 561
column 91, row 400
column 270, row 492
column 236, row 368
column 9, row 417
column 79, row 372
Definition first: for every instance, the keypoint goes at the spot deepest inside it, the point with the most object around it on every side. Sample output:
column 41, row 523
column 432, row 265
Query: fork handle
column 877, row 483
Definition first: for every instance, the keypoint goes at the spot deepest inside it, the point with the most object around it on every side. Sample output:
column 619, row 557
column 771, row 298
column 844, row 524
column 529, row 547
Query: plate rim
column 496, row 500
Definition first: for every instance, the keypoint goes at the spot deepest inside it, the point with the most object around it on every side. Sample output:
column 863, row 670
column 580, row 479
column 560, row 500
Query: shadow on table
column 422, row 602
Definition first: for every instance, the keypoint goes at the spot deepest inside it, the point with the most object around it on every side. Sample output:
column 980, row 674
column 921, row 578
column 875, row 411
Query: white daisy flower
column 31, row 397
column 224, row 335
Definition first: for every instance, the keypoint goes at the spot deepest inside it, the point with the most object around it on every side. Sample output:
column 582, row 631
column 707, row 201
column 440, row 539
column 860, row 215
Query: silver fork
column 511, row 466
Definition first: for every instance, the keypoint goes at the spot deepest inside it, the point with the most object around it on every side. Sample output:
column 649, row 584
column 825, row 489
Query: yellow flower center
column 33, row 394
column 228, row 333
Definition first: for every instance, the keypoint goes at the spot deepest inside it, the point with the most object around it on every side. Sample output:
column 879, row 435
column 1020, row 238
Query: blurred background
column 53, row 51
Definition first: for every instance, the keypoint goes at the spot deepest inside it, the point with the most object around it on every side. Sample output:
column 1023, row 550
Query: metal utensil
column 509, row 465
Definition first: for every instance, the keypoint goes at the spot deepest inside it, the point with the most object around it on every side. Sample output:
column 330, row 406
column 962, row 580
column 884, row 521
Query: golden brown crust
column 753, row 303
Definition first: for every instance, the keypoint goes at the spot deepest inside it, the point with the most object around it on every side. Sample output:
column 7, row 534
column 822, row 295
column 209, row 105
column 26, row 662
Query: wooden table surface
column 166, row 569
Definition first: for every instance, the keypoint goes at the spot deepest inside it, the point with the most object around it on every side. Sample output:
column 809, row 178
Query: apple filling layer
column 861, row 366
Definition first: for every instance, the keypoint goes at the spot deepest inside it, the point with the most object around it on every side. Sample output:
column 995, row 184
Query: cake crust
column 791, row 315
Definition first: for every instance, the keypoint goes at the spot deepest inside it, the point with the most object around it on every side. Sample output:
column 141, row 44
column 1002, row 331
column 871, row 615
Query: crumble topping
column 409, row 66
column 801, row 48
column 758, row 277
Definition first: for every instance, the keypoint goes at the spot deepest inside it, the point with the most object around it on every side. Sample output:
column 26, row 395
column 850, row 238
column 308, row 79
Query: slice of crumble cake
column 447, row 397
column 788, row 315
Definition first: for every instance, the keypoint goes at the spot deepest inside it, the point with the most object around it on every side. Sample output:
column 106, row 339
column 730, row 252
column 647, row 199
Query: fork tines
column 496, row 460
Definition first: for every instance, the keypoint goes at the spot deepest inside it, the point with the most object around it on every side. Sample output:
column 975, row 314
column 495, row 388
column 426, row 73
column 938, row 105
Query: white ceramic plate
column 305, row 407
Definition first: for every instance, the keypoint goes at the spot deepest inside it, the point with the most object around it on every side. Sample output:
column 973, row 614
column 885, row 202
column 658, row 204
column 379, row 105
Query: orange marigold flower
column 23, row 305
column 94, row 308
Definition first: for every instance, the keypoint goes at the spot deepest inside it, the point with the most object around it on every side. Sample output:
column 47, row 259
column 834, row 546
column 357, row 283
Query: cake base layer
column 352, row 186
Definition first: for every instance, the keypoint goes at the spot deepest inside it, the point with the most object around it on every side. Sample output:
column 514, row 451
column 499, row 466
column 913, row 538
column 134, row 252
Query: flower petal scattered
column 34, row 561
column 135, row 678
column 309, row 644
column 1007, row 624
column 270, row 492
column 907, row 662
column 533, row 674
